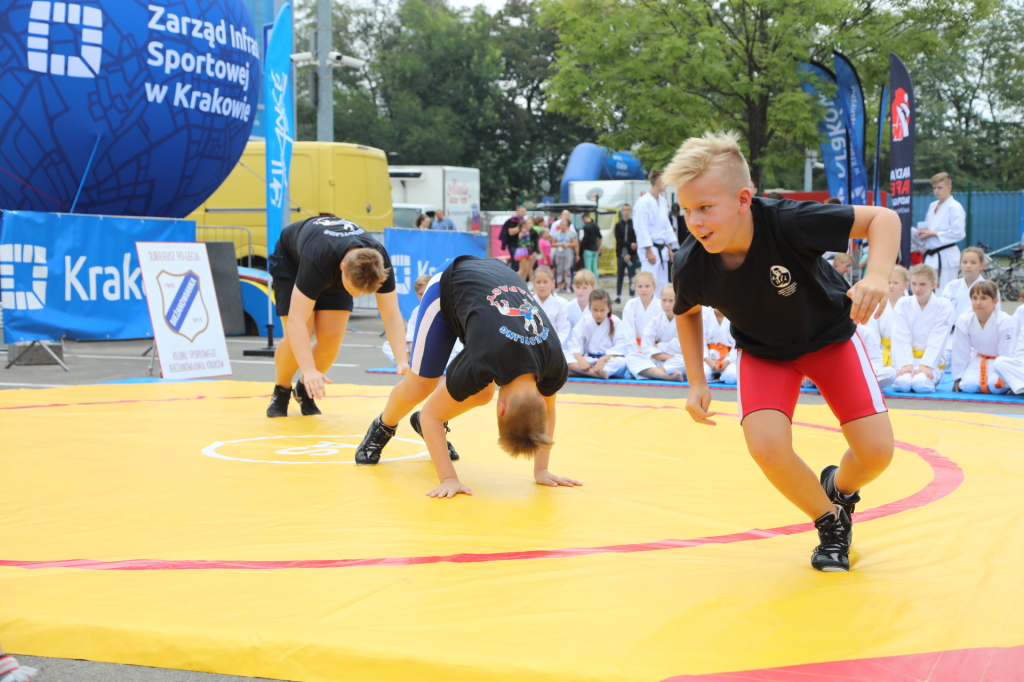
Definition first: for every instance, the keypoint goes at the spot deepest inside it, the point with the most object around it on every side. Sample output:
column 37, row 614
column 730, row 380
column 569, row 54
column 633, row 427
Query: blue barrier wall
column 997, row 218
column 77, row 276
column 426, row 252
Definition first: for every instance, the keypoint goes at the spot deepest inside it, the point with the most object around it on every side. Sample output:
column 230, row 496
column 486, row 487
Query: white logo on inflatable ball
column 29, row 256
column 90, row 19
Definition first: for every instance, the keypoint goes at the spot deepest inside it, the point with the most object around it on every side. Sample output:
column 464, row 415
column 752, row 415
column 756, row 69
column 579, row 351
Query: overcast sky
column 491, row 5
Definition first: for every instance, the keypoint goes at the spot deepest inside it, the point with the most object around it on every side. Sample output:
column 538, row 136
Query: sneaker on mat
column 377, row 436
column 307, row 404
column 847, row 502
column 279, row 401
column 414, row 420
column 10, row 671
column 832, row 555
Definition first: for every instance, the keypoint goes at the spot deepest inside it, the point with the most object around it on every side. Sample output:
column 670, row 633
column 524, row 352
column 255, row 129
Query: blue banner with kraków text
column 831, row 128
column 77, row 276
column 851, row 99
column 278, row 94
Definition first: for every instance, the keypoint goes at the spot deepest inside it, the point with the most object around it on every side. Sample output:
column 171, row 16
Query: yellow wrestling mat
column 174, row 525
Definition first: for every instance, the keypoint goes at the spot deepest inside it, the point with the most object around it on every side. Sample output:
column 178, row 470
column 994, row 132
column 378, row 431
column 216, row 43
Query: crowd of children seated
column 921, row 334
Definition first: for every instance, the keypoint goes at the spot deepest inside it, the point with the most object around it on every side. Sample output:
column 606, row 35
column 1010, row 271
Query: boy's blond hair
column 843, row 258
column 922, row 270
column 712, row 152
column 941, row 177
column 902, row 272
column 421, row 283
column 584, row 277
column 523, row 428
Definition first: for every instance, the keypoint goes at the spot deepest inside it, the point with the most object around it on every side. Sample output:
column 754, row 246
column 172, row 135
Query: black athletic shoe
column 279, row 401
column 307, row 404
column 377, row 436
column 847, row 502
column 618, row 299
column 832, row 555
column 414, row 420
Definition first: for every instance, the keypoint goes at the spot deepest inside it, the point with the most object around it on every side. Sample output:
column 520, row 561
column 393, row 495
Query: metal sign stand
column 42, row 345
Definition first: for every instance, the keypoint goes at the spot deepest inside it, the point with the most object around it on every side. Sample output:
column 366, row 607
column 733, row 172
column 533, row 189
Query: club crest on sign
column 182, row 304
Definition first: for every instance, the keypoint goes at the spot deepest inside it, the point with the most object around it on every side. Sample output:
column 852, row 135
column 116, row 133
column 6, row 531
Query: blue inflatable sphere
column 159, row 94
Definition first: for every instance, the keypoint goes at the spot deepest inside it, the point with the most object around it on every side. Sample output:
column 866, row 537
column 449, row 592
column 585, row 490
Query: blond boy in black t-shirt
column 759, row 262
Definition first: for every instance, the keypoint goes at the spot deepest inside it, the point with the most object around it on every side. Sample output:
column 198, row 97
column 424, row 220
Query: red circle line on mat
column 946, row 477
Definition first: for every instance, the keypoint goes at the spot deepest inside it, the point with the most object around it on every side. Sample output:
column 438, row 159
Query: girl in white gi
column 583, row 282
column 719, row 348
column 555, row 306
column 1011, row 368
column 944, row 226
column 899, row 280
column 869, row 335
column 982, row 335
column 655, row 238
column 920, row 331
column 639, row 310
column 958, row 291
column 660, row 356
column 598, row 344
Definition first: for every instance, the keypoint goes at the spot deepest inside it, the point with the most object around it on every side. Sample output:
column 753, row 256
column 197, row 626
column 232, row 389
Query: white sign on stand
column 183, row 308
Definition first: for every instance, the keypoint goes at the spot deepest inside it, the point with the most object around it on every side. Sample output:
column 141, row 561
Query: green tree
column 650, row 73
column 971, row 104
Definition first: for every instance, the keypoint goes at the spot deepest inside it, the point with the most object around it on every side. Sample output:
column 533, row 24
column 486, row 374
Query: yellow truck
column 333, row 178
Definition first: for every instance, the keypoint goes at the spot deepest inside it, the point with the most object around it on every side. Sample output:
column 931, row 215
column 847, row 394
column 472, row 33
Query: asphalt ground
column 103, row 361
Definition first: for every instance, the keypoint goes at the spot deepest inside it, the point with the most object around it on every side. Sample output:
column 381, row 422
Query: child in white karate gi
column 982, row 335
column 419, row 286
column 556, row 307
column 944, row 226
column 1011, row 367
column 869, row 335
column 583, row 282
column 598, row 345
column 639, row 310
column 659, row 356
column 719, row 348
column 920, row 331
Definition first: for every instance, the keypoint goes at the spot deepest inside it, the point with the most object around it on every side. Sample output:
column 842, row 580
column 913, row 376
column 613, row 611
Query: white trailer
column 453, row 189
column 613, row 192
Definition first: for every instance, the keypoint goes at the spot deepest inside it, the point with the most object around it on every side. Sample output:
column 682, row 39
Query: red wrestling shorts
column 841, row 371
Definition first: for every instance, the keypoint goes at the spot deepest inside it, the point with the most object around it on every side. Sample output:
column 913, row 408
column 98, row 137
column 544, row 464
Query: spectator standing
column 654, row 235
column 591, row 243
column 678, row 222
column 944, row 226
column 509, row 235
column 544, row 252
column 422, row 222
column 626, row 256
column 566, row 245
column 441, row 222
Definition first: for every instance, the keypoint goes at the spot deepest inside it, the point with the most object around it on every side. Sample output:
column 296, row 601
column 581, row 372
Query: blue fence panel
column 996, row 217
column 426, row 252
column 77, row 276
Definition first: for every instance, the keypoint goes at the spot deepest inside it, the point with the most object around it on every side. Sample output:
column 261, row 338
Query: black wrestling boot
column 307, row 404
column 279, row 401
column 377, row 436
column 414, row 421
column 832, row 555
column 847, row 502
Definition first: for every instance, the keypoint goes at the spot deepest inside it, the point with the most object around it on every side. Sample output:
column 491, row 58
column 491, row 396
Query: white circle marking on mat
column 324, row 448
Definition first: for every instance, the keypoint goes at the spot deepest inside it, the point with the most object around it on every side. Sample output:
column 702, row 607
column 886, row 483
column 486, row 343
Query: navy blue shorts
column 434, row 339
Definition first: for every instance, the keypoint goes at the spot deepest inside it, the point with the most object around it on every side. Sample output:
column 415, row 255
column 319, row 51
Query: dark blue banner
column 883, row 104
column 426, row 252
column 851, row 99
column 831, row 128
column 901, row 152
column 76, row 276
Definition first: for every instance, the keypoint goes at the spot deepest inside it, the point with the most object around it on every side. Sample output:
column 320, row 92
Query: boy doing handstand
column 759, row 262
column 509, row 344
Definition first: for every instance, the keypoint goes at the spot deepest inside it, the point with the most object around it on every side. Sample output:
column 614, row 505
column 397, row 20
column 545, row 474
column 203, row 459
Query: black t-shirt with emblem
column 312, row 251
column 784, row 300
column 505, row 330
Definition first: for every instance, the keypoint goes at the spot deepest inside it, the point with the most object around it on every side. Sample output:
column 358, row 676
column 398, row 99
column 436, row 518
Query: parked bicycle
column 1009, row 278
